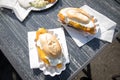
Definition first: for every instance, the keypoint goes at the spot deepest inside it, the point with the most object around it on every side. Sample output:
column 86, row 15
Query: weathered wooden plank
column 14, row 44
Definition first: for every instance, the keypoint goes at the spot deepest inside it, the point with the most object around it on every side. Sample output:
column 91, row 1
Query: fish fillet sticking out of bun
column 48, row 47
column 78, row 19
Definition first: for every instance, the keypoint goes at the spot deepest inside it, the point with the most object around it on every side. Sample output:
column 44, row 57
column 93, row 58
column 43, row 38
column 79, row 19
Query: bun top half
column 76, row 14
column 50, row 45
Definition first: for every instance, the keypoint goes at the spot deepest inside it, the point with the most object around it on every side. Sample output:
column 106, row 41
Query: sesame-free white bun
column 50, row 45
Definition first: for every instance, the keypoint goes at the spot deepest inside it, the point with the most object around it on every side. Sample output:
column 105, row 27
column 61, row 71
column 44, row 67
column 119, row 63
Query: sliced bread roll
column 78, row 19
column 50, row 44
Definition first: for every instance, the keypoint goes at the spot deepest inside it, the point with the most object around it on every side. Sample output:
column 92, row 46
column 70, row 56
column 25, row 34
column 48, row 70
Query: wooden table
column 14, row 44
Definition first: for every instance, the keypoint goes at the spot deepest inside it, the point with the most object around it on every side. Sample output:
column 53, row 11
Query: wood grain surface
column 14, row 44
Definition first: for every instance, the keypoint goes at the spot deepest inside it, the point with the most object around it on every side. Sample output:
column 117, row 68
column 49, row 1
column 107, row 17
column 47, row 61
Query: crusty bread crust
column 50, row 45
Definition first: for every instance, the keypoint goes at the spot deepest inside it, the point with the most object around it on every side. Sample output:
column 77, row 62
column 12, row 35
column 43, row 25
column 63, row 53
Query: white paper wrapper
column 105, row 28
column 20, row 12
column 33, row 54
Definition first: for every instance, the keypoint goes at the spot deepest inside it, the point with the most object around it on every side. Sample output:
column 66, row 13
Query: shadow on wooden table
column 7, row 72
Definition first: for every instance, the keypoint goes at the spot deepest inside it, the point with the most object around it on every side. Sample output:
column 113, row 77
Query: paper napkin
column 20, row 12
column 105, row 29
column 33, row 54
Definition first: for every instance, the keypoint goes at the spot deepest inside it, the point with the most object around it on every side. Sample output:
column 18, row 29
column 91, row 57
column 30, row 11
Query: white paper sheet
column 33, row 54
column 105, row 29
column 20, row 12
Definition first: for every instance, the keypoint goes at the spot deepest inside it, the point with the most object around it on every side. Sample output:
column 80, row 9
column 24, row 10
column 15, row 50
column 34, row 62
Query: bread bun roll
column 50, row 45
column 48, row 48
column 78, row 19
